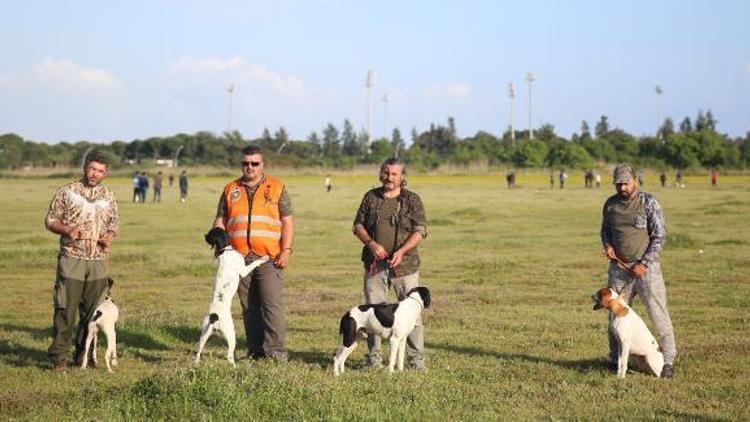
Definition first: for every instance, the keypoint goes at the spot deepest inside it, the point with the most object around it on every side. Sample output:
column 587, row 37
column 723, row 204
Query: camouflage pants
column 376, row 288
column 80, row 286
column 654, row 296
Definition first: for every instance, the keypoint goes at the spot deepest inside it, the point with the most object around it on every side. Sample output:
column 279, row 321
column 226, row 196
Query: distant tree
column 711, row 148
column 531, row 153
column 266, row 140
column 280, row 139
column 546, row 134
column 585, row 131
column 666, row 129
column 568, row 154
column 602, row 127
column 681, row 151
column 349, row 143
column 710, row 121
column 701, row 122
column 380, row 149
column 314, row 139
column 686, row 126
column 11, row 151
column 331, row 145
column 397, row 142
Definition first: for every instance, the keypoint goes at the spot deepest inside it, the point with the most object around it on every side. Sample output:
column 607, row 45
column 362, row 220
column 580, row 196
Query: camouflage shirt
column 93, row 210
column 654, row 224
column 409, row 218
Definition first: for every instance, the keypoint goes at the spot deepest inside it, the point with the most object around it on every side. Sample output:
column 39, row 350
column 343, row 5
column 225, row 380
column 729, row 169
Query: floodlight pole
column 659, row 111
column 530, row 77
column 230, row 91
column 369, row 83
column 512, row 96
column 386, row 98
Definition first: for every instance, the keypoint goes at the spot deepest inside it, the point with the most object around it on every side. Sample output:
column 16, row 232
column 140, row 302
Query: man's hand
column 377, row 250
column 638, row 270
column 106, row 239
column 609, row 252
column 396, row 258
column 282, row 259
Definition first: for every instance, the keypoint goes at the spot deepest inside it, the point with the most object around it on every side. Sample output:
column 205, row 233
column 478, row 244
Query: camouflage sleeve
column 606, row 232
column 361, row 217
column 285, row 204
column 418, row 217
column 57, row 207
column 657, row 230
column 112, row 222
column 221, row 208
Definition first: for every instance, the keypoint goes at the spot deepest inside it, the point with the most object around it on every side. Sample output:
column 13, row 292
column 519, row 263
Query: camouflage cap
column 623, row 173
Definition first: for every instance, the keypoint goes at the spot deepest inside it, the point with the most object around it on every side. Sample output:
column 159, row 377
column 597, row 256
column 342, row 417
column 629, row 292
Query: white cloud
column 67, row 75
column 451, row 90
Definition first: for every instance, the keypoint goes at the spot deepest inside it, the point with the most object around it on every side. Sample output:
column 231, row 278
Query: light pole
column 386, row 98
column 230, row 91
column 530, row 78
column 512, row 96
column 369, row 83
column 659, row 111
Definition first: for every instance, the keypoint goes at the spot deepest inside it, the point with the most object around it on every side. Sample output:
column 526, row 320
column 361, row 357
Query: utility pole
column 369, row 83
column 386, row 98
column 230, row 91
column 659, row 112
column 512, row 96
column 530, row 78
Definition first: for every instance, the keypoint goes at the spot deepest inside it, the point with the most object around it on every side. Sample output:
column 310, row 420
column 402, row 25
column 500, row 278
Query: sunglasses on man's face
column 251, row 163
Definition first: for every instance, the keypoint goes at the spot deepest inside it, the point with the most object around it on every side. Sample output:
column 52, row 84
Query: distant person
column 328, row 183
column 588, row 179
column 510, row 179
column 137, row 186
column 562, row 176
column 157, row 186
column 598, row 178
column 391, row 223
column 714, row 177
column 256, row 211
column 143, row 188
column 641, row 181
column 183, row 186
column 84, row 213
column 663, row 178
column 171, row 179
column 633, row 232
column 678, row 179
column 551, row 179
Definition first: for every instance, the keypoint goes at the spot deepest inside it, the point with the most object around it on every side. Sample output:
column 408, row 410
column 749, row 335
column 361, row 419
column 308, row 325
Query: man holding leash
column 633, row 233
column 84, row 213
column 391, row 222
column 257, row 214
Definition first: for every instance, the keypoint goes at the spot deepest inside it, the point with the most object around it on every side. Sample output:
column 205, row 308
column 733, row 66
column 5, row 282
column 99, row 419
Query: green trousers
column 81, row 285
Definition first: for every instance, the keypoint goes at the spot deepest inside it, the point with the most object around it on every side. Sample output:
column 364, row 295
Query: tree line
column 693, row 144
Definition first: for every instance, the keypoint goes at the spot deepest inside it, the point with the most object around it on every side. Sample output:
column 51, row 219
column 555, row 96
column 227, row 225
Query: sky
column 105, row 71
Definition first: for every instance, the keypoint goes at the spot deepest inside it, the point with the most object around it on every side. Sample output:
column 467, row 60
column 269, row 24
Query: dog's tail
column 348, row 329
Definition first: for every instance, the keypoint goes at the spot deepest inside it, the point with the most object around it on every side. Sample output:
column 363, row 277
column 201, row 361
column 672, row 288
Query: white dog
column 231, row 268
column 390, row 321
column 104, row 318
column 631, row 332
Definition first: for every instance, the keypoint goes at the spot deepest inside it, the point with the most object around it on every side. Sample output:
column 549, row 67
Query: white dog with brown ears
column 104, row 318
column 394, row 321
column 631, row 332
column 231, row 268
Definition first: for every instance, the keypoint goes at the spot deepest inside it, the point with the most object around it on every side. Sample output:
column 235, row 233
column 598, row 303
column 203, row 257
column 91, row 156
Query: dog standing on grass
column 631, row 332
column 104, row 318
column 393, row 321
column 231, row 268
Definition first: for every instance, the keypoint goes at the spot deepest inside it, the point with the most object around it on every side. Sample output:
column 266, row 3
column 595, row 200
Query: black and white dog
column 231, row 268
column 393, row 321
column 104, row 318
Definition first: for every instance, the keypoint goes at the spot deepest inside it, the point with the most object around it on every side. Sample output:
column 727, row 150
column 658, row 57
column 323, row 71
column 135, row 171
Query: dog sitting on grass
column 231, row 268
column 633, row 337
column 104, row 318
column 393, row 321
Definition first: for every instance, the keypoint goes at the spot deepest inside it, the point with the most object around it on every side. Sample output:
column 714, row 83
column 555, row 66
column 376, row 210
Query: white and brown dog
column 104, row 318
column 393, row 321
column 631, row 332
column 231, row 268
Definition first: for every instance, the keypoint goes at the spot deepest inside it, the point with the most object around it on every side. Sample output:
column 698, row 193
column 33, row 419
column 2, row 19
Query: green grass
column 511, row 334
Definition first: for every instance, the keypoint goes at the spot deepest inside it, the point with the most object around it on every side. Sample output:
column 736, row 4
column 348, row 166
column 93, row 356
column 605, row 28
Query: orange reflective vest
column 254, row 227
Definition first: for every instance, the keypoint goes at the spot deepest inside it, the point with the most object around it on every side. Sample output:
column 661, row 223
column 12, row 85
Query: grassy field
column 511, row 334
